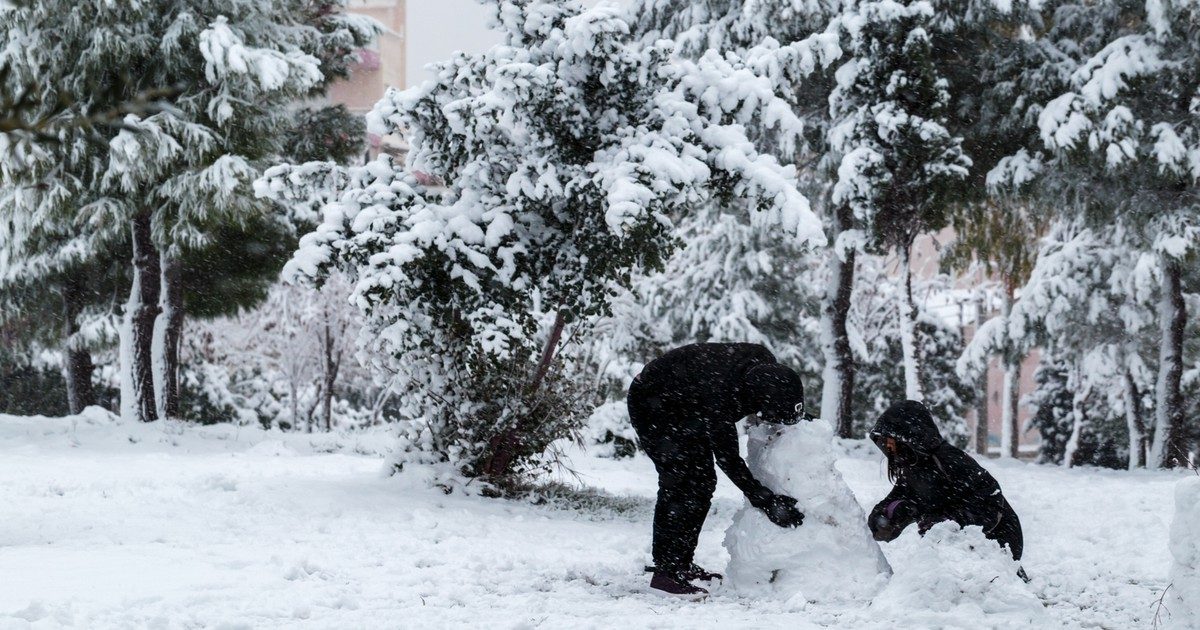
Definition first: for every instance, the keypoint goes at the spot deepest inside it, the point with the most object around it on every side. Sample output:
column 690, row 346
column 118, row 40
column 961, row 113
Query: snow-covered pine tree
column 899, row 162
column 739, row 26
column 1127, row 136
column 566, row 151
column 727, row 281
column 1088, row 305
column 879, row 357
column 163, row 180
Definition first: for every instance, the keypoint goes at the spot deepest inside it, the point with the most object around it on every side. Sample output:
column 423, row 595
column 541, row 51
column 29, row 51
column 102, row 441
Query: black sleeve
column 724, row 438
column 905, row 512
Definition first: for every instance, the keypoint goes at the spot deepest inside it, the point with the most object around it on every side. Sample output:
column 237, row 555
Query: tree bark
column 172, row 331
column 981, row 405
column 548, row 351
column 908, row 329
column 142, row 311
column 1134, row 422
column 77, row 359
column 1077, row 418
column 1170, row 443
column 1009, row 433
column 333, row 362
column 837, row 392
column 503, row 446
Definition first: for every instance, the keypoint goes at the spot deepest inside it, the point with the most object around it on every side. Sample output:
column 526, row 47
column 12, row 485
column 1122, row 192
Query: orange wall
column 366, row 85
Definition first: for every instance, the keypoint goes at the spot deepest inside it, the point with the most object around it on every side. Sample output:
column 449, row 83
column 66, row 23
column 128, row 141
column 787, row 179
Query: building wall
column 961, row 308
column 381, row 65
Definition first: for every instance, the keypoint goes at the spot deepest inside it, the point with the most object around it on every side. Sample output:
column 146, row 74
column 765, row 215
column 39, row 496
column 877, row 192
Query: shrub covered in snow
column 566, row 151
column 609, row 428
column 831, row 557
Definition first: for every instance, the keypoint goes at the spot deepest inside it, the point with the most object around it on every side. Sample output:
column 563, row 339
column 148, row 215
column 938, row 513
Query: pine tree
column 732, row 25
column 998, row 239
column 1127, row 134
column 566, row 152
column 162, row 180
column 1087, row 306
column 900, row 162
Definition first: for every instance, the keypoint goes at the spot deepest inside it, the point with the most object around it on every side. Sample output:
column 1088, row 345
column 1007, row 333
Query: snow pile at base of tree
column 607, row 429
column 831, row 557
column 1184, row 606
column 956, row 577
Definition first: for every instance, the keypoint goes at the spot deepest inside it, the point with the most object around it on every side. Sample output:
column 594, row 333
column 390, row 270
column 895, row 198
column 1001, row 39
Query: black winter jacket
column 708, row 387
column 936, row 482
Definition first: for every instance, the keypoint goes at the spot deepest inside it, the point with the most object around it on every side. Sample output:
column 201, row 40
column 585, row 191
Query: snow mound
column 956, row 577
column 831, row 558
column 271, row 448
column 1184, row 596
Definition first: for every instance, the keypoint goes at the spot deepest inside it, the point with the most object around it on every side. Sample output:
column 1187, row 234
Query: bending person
column 934, row 482
column 684, row 407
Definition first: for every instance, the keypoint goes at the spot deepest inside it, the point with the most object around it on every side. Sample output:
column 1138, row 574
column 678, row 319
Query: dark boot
column 693, row 572
column 696, row 573
column 676, row 586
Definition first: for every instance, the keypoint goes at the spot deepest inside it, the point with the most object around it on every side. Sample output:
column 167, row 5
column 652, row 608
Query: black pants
column 687, row 478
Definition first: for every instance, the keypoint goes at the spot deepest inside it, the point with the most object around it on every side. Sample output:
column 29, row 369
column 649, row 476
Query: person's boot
column 675, row 585
column 693, row 572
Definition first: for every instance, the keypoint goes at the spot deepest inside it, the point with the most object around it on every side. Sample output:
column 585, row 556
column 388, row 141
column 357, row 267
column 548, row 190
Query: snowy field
column 109, row 525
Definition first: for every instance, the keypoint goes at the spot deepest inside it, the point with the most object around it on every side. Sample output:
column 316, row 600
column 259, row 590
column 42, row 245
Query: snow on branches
column 567, row 152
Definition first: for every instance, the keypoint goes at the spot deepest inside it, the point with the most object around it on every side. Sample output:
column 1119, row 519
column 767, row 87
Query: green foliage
column 328, row 133
column 879, row 381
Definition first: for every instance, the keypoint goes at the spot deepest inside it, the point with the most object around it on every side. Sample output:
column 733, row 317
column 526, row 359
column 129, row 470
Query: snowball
column 1184, row 596
column 831, row 557
column 956, row 577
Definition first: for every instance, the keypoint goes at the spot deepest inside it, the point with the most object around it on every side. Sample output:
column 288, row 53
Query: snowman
column 832, row 557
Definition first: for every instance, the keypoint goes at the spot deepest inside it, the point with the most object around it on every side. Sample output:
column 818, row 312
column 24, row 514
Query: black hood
column 776, row 391
column 911, row 423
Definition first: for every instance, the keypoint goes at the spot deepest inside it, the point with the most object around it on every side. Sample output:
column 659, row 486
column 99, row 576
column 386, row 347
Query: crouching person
column 684, row 407
column 934, row 482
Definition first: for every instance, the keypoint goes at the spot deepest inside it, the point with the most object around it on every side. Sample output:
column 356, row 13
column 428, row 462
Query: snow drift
column 956, row 577
column 832, row 557
column 1184, row 597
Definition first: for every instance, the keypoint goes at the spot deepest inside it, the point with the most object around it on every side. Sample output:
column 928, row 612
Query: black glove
column 781, row 509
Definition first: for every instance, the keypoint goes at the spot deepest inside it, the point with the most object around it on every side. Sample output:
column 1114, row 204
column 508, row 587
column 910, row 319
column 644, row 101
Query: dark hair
column 895, row 469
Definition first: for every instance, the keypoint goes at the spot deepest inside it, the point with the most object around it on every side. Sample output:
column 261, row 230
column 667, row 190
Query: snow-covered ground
column 109, row 525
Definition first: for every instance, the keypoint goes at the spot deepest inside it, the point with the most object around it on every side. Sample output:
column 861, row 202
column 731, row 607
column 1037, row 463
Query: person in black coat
column 684, row 407
column 934, row 482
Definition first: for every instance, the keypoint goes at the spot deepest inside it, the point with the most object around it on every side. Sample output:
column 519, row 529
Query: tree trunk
column 503, row 446
column 77, row 360
column 171, row 329
column 908, row 329
column 294, row 390
column 1077, row 419
column 1134, row 422
column 837, row 391
column 547, row 358
column 1170, row 443
column 141, row 312
column 1009, row 432
column 333, row 363
column 981, row 405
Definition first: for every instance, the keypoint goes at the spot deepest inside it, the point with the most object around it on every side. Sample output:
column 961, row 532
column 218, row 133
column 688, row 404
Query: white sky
column 438, row 28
